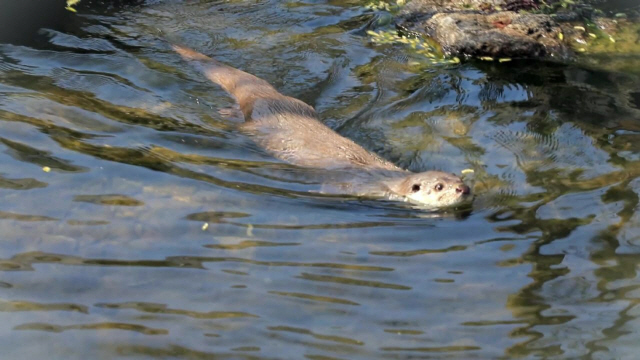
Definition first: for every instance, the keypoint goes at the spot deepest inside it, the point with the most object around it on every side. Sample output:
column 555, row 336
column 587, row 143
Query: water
column 159, row 231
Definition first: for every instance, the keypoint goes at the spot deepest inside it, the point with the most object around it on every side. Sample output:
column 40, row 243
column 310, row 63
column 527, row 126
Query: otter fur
column 290, row 130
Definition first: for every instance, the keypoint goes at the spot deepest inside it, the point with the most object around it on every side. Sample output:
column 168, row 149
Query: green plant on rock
column 421, row 47
column 71, row 4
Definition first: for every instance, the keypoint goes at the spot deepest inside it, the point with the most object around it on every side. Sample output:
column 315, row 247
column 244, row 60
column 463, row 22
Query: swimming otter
column 290, row 130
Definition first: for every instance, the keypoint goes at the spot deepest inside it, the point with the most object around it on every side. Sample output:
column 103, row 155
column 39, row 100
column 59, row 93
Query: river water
column 137, row 222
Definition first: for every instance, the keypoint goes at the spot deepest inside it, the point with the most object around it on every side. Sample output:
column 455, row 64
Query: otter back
column 286, row 127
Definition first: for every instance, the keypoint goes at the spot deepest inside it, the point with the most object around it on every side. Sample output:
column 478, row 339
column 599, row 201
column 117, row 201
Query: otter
column 290, row 130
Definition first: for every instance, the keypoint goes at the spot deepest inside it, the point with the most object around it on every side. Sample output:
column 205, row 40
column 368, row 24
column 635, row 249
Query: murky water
column 107, row 253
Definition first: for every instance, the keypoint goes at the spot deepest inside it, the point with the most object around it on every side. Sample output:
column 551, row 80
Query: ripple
column 87, row 222
column 170, row 351
column 404, row 331
column 163, row 309
column 332, row 338
column 407, row 253
column 108, row 199
column 246, row 244
column 530, row 149
column 314, row 297
column 7, row 265
column 23, row 261
column 28, row 154
column 21, row 184
column 219, row 217
column 13, row 306
column 105, row 92
column 76, row 43
column 433, row 349
column 351, row 281
column 215, row 216
column 97, row 326
column 246, row 348
column 235, row 272
column 24, row 217
column 7, row 89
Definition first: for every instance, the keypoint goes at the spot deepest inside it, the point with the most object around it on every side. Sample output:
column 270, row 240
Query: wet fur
column 287, row 127
column 290, row 130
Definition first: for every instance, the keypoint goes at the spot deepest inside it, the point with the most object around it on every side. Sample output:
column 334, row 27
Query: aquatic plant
column 420, row 46
column 386, row 6
column 71, row 4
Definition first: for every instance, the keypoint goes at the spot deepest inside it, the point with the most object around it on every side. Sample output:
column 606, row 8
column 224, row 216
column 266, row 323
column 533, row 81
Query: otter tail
column 244, row 87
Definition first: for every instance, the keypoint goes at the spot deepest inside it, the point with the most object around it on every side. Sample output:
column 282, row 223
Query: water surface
column 136, row 222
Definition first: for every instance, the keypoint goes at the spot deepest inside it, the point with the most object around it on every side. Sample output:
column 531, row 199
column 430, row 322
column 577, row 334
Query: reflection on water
column 137, row 222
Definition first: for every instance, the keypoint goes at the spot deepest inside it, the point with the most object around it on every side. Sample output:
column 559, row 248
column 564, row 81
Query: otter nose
column 464, row 189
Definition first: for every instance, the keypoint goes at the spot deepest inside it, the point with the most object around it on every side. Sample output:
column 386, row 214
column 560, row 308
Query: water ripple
column 352, row 281
column 163, row 309
column 97, row 326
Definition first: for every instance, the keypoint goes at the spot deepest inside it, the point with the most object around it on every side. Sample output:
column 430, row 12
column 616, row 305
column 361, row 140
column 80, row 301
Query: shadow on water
column 137, row 221
column 22, row 22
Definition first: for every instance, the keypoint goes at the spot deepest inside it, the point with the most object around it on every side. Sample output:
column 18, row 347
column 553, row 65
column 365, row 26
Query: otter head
column 431, row 188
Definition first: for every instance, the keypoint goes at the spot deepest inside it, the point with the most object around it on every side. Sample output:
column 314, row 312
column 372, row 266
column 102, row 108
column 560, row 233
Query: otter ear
column 415, row 188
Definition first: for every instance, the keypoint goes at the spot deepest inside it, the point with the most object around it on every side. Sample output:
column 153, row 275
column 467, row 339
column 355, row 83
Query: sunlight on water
column 137, row 221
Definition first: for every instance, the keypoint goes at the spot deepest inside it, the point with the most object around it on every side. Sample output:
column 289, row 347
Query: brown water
column 107, row 254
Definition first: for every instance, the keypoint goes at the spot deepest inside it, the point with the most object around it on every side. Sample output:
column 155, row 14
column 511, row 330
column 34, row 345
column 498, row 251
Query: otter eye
column 438, row 187
column 415, row 188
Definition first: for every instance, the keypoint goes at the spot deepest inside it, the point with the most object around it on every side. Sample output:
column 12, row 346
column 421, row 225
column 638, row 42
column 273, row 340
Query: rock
column 430, row 7
column 498, row 35
column 496, row 29
column 474, row 28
